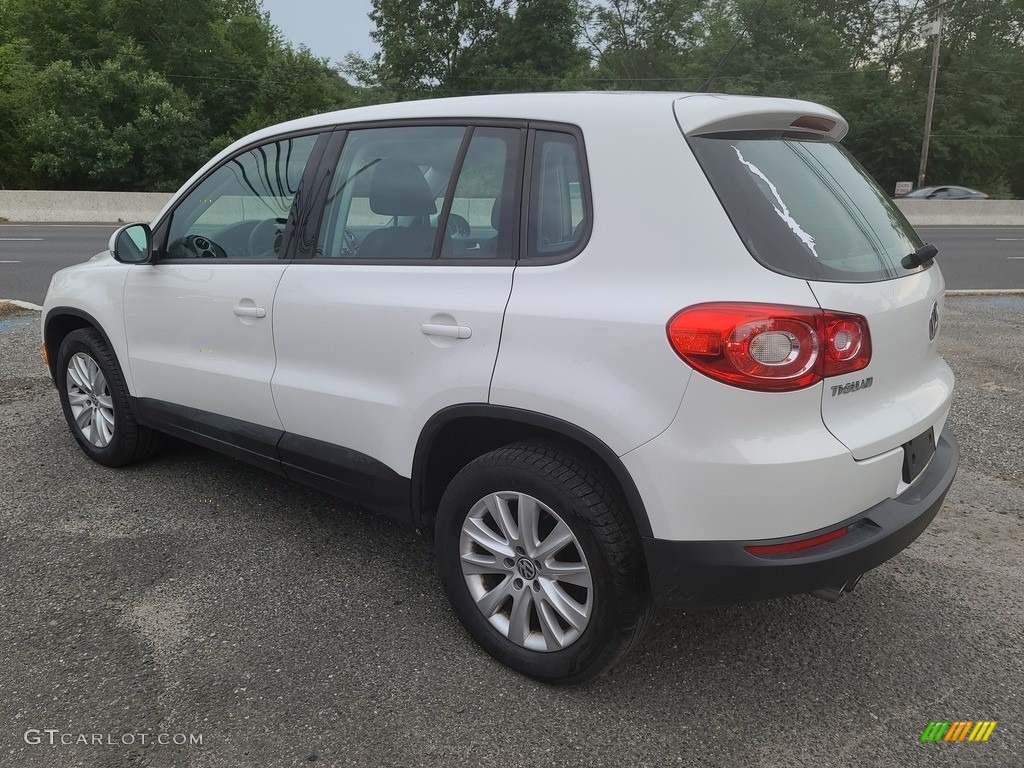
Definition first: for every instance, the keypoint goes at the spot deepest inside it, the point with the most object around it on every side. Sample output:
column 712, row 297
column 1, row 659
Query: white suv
column 608, row 349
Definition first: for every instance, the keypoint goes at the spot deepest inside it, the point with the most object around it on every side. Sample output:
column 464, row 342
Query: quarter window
column 558, row 207
column 240, row 210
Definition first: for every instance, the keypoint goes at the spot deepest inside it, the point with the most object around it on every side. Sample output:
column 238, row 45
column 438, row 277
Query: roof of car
column 610, row 110
column 627, row 107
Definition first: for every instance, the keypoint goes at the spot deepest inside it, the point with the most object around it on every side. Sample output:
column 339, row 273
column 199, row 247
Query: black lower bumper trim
column 693, row 573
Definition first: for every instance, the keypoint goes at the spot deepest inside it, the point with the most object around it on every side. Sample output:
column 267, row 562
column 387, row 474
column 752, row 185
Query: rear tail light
column 770, row 347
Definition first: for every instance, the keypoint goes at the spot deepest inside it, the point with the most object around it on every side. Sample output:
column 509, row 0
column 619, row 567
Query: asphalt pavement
column 194, row 598
column 979, row 258
column 972, row 258
column 31, row 253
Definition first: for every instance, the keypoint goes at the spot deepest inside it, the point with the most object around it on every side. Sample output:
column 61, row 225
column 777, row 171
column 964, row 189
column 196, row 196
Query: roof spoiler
column 701, row 113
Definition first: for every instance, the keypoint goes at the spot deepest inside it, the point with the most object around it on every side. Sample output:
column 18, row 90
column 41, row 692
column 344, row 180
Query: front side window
column 807, row 208
column 240, row 210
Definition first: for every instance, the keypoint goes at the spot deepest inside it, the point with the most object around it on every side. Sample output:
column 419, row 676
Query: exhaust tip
column 832, row 594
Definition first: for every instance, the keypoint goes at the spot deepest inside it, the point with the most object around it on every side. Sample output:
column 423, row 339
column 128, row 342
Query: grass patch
column 7, row 309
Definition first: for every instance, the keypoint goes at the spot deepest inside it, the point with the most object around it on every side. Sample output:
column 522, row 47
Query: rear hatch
column 805, row 208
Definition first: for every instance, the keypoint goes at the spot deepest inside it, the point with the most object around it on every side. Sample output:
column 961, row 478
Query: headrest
column 496, row 213
column 399, row 189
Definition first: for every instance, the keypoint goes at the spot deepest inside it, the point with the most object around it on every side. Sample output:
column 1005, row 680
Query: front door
column 199, row 321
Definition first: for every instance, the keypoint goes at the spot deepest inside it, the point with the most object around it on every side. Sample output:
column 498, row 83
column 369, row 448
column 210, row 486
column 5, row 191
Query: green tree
column 134, row 94
column 120, row 125
column 533, row 49
column 18, row 85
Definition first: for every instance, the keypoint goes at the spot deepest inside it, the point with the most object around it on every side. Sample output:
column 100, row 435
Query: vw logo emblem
column 527, row 569
column 933, row 322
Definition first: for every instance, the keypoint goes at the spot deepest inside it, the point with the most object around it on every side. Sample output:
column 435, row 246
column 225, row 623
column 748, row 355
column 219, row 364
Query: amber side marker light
column 760, row 550
column 45, row 353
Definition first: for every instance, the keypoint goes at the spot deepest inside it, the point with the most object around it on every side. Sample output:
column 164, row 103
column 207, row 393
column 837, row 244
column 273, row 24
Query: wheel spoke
column 78, row 375
column 84, row 417
column 490, row 601
column 519, row 620
column 105, row 424
column 571, row 573
column 94, row 431
column 571, row 611
column 477, row 531
column 77, row 399
column 106, row 402
column 96, row 377
column 553, row 543
column 529, row 523
column 554, row 637
column 481, row 564
column 498, row 507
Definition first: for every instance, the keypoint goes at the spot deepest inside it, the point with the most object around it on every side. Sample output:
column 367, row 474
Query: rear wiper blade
column 921, row 256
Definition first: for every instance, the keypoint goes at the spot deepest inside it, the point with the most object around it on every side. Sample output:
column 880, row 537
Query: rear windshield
column 807, row 208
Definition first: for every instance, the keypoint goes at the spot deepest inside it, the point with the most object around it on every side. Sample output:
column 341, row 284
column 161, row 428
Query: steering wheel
column 457, row 225
column 199, row 247
column 265, row 238
column 349, row 243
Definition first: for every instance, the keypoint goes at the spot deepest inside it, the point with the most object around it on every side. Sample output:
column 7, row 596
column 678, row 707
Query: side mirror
column 132, row 244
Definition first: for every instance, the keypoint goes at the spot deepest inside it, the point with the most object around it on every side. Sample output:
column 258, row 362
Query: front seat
column 399, row 189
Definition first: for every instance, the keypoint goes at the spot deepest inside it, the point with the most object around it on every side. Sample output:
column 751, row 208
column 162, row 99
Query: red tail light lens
column 770, row 347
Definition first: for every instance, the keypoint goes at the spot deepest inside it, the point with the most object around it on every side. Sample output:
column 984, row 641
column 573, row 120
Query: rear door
column 396, row 312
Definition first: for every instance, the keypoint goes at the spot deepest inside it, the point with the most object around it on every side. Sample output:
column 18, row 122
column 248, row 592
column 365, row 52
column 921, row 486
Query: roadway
column 31, row 253
column 972, row 258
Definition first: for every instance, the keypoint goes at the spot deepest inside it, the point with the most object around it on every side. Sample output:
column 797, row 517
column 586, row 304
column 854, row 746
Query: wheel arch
column 458, row 434
column 59, row 322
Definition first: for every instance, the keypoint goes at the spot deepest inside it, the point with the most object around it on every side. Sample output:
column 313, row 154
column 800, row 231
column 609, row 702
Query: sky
column 329, row 28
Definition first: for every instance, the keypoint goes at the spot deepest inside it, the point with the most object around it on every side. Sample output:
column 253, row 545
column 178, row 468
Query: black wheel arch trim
column 442, row 418
column 57, row 312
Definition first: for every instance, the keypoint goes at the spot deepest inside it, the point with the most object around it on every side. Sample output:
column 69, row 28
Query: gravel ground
column 194, row 596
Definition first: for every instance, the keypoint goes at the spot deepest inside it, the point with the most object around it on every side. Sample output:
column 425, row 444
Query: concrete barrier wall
column 112, row 207
column 963, row 213
column 28, row 206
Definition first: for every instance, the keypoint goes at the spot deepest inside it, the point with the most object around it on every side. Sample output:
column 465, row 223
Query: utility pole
column 936, row 29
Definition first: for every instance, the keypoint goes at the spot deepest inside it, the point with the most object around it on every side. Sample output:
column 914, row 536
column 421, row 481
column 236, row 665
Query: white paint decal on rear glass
column 781, row 209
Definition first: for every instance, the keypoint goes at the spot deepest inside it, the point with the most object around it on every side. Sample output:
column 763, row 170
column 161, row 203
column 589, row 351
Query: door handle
column 250, row 311
column 450, row 331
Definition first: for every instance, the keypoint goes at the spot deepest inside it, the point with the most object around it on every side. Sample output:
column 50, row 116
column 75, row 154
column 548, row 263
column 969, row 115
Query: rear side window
column 387, row 193
column 424, row 192
column 558, row 207
column 807, row 208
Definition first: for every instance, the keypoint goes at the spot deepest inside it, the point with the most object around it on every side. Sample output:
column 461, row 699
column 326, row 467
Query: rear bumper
column 692, row 573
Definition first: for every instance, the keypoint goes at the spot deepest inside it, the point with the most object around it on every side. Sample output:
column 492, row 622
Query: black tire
column 128, row 441
column 571, row 490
